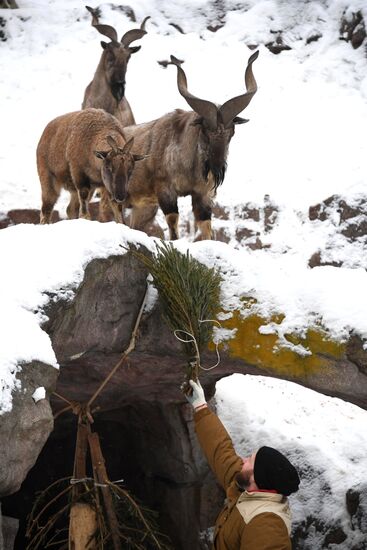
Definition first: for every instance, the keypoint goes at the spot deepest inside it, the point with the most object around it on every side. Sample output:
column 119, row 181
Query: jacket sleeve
column 217, row 446
column 266, row 532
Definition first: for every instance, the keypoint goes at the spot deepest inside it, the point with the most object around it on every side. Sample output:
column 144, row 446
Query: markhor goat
column 107, row 89
column 80, row 151
column 187, row 153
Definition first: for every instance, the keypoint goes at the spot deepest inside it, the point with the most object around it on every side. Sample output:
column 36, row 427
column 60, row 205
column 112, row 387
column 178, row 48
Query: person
column 256, row 515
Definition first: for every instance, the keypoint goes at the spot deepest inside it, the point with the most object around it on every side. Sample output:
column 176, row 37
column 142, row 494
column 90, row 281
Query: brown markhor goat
column 80, row 151
column 107, row 89
column 187, row 153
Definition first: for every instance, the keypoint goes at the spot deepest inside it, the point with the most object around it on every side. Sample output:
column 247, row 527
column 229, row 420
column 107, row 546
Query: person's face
column 246, row 476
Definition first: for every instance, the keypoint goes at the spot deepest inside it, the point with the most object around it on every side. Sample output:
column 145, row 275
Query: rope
column 74, row 481
column 63, row 398
column 79, row 408
column 193, row 339
column 130, row 347
column 216, row 345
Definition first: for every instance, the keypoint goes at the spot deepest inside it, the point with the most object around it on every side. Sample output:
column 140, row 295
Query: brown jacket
column 248, row 521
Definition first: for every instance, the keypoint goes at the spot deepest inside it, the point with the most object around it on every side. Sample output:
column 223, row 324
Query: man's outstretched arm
column 214, row 438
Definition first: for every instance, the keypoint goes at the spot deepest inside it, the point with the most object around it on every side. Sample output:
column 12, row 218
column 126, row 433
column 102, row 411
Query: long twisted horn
column 132, row 35
column 95, row 12
column 142, row 26
column 111, row 33
column 231, row 108
column 108, row 31
column 204, row 108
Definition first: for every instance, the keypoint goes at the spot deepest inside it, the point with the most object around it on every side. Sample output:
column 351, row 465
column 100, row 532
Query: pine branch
column 189, row 293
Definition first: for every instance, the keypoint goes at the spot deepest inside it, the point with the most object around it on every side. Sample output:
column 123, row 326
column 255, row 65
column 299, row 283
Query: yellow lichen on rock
column 266, row 352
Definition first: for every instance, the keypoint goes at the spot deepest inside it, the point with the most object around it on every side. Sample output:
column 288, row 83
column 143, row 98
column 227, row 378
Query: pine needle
column 189, row 294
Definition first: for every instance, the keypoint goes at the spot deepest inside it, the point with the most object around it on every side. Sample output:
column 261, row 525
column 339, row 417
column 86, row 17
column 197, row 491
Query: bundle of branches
column 91, row 513
column 48, row 524
column 137, row 528
column 190, row 298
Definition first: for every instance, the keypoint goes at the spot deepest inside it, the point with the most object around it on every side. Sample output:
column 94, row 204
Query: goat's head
column 217, row 123
column 116, row 55
column 117, row 166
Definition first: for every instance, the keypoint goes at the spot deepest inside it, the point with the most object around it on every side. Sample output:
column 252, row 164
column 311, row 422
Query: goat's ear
column 197, row 121
column 104, row 44
column 127, row 146
column 101, row 154
column 239, row 120
column 134, row 49
column 140, row 157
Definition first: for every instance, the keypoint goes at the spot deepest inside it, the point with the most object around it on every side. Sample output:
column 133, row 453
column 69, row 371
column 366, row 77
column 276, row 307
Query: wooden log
column 83, row 518
column 100, row 474
column 82, row 527
column 80, row 458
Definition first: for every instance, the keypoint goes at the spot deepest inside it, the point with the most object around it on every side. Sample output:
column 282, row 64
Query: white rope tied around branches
column 74, row 481
column 193, row 339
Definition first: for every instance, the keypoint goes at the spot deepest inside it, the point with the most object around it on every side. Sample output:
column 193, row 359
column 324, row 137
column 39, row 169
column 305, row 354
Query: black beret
column 272, row 470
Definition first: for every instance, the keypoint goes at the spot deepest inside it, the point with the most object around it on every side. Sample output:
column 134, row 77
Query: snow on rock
column 39, row 393
column 39, row 262
column 284, row 284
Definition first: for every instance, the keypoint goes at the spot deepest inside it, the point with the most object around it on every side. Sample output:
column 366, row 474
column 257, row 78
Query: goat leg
column 72, row 209
column 172, row 222
column 202, row 209
column 117, row 211
column 84, row 194
column 205, row 230
column 142, row 218
column 50, row 194
column 105, row 206
column 168, row 203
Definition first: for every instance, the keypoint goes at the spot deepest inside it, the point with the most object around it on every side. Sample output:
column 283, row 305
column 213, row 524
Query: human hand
column 197, row 397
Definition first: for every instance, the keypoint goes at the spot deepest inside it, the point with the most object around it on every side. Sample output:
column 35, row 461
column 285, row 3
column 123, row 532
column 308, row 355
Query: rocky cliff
column 145, row 425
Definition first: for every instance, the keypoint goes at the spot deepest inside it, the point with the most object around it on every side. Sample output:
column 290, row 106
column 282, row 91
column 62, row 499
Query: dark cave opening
column 139, row 446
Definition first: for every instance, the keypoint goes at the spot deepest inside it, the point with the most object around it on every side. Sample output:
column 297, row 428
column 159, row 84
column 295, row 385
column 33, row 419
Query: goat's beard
column 117, row 90
column 218, row 173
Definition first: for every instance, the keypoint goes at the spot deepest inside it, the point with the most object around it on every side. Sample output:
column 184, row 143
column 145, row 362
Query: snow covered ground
column 305, row 141
column 324, row 437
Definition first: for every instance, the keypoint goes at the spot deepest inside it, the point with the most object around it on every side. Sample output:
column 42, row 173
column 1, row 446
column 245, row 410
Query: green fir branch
column 189, row 293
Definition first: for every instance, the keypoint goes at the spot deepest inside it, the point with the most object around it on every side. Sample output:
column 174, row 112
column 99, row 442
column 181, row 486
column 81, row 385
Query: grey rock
column 8, row 532
column 25, row 429
column 102, row 315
